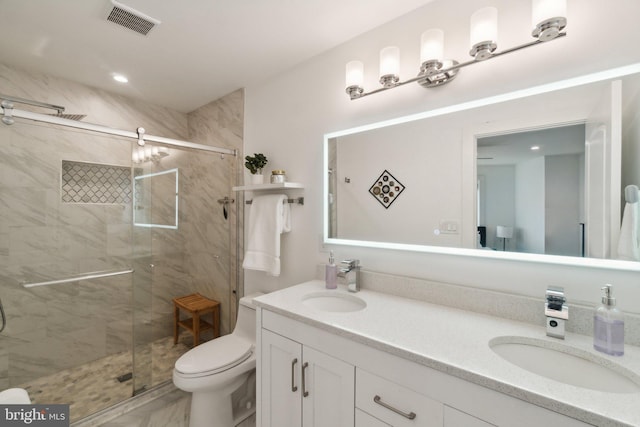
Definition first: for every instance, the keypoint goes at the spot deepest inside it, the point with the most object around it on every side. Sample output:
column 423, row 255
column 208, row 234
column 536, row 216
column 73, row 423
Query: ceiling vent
column 130, row 18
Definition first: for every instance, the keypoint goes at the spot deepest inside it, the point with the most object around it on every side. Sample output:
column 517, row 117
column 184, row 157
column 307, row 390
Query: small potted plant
column 255, row 164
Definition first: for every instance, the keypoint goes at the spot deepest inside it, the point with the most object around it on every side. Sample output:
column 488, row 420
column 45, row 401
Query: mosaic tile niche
column 95, row 183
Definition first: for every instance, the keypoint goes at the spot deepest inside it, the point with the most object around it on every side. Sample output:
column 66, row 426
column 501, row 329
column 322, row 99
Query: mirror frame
column 468, row 252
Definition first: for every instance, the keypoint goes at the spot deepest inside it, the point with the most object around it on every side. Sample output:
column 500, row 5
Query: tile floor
column 169, row 410
column 94, row 386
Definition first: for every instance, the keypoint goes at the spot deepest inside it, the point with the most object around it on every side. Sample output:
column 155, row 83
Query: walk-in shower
column 96, row 238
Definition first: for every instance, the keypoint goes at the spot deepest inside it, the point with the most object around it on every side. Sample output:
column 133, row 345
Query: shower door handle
column 294, row 387
column 4, row 318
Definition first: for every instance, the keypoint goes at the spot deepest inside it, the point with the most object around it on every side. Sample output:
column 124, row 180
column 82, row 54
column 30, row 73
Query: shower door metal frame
column 8, row 110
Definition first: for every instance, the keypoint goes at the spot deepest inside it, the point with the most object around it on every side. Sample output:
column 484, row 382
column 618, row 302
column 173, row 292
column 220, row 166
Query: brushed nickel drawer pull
column 305, row 393
column 377, row 399
column 294, row 387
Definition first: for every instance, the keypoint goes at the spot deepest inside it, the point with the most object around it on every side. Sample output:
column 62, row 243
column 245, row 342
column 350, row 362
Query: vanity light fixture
column 548, row 17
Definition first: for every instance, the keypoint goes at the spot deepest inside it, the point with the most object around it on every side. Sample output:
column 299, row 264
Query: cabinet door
column 281, row 388
column 455, row 418
column 329, row 384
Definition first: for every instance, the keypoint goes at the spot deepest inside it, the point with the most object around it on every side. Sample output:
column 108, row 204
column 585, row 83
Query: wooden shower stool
column 196, row 305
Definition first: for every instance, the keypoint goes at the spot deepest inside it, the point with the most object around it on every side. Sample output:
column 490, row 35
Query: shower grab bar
column 112, row 131
column 87, row 276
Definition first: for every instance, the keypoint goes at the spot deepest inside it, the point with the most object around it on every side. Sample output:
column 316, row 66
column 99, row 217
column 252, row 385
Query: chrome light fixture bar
column 548, row 17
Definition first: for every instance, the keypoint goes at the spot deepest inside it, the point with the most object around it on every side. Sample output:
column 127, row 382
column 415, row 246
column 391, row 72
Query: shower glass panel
column 176, row 209
column 65, row 265
column 88, row 294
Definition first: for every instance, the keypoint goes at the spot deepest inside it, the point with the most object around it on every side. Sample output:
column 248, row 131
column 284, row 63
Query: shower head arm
column 58, row 108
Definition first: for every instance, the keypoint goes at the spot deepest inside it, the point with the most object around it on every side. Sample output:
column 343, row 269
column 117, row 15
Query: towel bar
column 299, row 200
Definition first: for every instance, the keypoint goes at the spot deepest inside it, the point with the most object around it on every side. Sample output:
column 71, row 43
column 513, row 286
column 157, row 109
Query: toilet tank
column 246, row 322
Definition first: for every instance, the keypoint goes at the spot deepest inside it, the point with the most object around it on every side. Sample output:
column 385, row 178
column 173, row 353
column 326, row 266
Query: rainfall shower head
column 76, row 117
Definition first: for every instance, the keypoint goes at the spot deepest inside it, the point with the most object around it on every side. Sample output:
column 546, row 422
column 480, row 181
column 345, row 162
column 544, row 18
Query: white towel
column 269, row 216
column 629, row 241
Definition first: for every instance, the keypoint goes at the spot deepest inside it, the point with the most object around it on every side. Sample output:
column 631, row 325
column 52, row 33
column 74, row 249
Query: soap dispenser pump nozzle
column 607, row 298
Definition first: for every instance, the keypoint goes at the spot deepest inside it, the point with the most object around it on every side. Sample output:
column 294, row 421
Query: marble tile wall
column 59, row 326
column 219, row 123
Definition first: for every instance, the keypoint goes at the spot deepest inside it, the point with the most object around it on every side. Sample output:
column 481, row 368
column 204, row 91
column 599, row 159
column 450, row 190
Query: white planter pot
column 257, row 179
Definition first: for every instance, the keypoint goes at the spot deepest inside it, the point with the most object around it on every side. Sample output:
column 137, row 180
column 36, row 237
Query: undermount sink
column 334, row 301
column 566, row 364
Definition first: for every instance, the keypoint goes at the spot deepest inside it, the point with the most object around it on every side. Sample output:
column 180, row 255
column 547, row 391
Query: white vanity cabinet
column 394, row 404
column 354, row 385
column 303, row 387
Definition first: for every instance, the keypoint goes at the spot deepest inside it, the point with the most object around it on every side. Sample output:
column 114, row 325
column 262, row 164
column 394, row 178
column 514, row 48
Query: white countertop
column 409, row 328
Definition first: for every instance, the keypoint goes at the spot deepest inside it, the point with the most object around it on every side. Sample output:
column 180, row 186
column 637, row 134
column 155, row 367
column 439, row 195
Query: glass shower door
column 182, row 241
column 65, row 270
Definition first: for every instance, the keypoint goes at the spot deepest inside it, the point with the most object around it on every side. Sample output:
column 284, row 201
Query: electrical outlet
column 448, row 227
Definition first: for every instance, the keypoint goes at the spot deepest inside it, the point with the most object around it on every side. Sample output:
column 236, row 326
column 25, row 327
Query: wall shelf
column 258, row 187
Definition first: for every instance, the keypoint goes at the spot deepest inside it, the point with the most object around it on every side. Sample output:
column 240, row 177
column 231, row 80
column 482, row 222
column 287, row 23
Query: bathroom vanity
column 368, row 359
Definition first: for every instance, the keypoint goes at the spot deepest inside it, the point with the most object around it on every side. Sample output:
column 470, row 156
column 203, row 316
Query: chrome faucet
column 556, row 311
column 351, row 272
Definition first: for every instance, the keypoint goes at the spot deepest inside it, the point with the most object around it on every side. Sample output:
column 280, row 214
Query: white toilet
column 14, row 396
column 213, row 370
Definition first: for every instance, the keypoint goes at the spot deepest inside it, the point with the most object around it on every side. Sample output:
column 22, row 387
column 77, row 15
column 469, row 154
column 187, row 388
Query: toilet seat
column 213, row 357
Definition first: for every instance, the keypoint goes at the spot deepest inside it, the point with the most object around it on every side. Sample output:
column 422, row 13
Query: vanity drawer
column 365, row 420
column 395, row 404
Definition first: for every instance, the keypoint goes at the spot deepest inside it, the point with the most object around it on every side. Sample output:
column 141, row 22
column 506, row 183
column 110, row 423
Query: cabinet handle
column 294, row 387
column 377, row 399
column 305, row 393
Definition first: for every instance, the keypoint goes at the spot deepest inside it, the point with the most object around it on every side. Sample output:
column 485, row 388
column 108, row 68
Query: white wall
column 631, row 144
column 418, row 210
column 562, row 205
column 286, row 117
column 498, row 202
column 530, row 206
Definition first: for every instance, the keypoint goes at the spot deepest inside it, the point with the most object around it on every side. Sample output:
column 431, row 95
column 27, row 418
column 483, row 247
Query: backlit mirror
column 538, row 173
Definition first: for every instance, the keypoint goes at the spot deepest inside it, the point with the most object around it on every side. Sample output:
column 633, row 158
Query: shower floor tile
column 94, row 386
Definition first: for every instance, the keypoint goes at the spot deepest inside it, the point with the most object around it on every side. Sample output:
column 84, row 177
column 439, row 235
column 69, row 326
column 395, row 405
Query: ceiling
column 512, row 148
column 201, row 50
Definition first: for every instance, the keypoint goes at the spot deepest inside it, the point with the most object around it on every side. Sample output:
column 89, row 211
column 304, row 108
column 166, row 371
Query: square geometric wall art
column 386, row 189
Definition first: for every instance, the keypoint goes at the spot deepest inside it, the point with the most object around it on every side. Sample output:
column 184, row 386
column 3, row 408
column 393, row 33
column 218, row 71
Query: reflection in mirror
column 156, row 199
column 468, row 185
column 531, row 191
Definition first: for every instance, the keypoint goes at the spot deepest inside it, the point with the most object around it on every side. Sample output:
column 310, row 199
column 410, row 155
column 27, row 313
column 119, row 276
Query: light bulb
column 484, row 32
column 354, row 73
column 389, row 66
column 484, row 26
column 432, row 45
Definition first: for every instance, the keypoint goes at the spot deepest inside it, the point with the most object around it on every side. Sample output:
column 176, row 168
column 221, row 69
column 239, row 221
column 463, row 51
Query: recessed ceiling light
column 120, row 78
column 535, row 147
